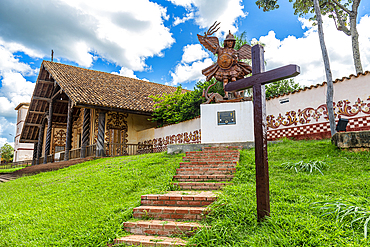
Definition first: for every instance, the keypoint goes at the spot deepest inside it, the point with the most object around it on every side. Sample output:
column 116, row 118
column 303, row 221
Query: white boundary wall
column 305, row 114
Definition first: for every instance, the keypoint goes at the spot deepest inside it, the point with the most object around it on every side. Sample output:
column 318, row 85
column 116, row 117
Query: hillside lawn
column 86, row 204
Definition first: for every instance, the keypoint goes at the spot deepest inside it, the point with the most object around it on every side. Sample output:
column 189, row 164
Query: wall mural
column 305, row 116
column 114, row 120
column 59, row 139
column 160, row 144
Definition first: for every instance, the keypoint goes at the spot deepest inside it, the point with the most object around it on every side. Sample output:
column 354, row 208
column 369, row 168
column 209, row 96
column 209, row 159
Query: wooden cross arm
column 278, row 74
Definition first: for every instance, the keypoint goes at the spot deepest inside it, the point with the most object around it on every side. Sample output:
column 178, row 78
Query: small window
column 283, row 101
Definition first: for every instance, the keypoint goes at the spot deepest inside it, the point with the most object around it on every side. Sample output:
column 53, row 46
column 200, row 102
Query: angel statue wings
column 228, row 66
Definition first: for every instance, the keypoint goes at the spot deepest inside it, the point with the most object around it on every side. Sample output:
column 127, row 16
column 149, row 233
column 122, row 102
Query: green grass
column 82, row 205
column 86, row 204
column 295, row 219
column 10, row 170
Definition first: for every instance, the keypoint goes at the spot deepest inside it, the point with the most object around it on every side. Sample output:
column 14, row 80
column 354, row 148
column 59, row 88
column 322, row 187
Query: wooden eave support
column 32, row 124
column 104, row 108
column 41, row 98
column 45, row 82
column 27, row 140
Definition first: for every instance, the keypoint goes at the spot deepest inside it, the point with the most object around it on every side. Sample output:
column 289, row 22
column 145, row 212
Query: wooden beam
column 57, row 94
column 278, row 74
column 62, row 101
column 104, row 108
column 46, row 82
column 32, row 124
column 41, row 98
column 37, row 112
column 59, row 114
column 27, row 140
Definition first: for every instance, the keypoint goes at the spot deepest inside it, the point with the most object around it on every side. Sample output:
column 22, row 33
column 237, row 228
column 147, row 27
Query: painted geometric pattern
column 317, row 131
column 343, row 108
column 160, row 144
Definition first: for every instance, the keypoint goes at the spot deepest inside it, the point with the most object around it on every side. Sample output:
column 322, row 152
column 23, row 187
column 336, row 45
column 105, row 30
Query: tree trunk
column 329, row 92
column 354, row 36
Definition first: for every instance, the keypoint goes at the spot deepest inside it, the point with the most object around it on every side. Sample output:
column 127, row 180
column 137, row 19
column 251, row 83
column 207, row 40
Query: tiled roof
column 95, row 88
column 320, row 84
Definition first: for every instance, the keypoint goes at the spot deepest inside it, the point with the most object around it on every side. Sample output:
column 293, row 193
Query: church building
column 76, row 112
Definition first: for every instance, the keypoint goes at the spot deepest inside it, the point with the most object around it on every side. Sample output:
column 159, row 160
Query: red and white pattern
column 317, row 131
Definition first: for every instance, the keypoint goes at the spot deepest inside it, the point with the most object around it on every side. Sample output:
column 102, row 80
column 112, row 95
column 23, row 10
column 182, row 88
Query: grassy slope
column 83, row 205
column 294, row 221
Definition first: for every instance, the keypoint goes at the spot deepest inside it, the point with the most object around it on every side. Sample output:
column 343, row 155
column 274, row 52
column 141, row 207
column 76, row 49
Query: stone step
column 222, row 148
column 215, row 154
column 205, row 170
column 169, row 213
column 210, row 160
column 179, row 199
column 157, row 241
column 200, row 185
column 161, row 228
column 6, row 177
column 208, row 163
column 203, row 178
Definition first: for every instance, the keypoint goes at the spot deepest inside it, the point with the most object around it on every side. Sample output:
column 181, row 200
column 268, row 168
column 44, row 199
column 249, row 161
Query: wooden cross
column 258, row 79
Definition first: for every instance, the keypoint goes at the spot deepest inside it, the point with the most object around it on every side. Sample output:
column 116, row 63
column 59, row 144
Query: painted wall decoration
column 59, row 139
column 343, row 108
column 312, row 123
column 114, row 121
column 160, row 144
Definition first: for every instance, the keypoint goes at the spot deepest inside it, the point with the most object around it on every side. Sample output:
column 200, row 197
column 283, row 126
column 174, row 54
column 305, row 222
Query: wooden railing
column 23, row 163
column 110, row 149
column 75, row 153
column 91, row 150
column 119, row 149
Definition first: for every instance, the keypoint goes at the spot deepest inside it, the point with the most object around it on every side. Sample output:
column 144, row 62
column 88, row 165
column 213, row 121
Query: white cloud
column 193, row 52
column 9, row 63
column 206, row 12
column 125, row 33
column 126, row 72
column 7, row 132
column 306, row 51
column 190, row 72
column 15, row 89
column 187, row 17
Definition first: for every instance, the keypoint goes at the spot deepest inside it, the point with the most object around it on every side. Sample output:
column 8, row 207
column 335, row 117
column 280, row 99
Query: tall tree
column 329, row 79
column 303, row 7
column 344, row 18
column 6, row 152
column 280, row 87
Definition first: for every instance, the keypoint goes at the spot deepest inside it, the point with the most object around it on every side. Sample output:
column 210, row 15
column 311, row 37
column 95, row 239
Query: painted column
column 85, row 132
column 101, row 133
column 48, row 133
column 34, row 156
column 69, row 130
column 40, row 142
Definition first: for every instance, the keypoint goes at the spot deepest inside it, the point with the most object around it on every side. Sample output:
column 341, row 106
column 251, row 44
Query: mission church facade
column 79, row 112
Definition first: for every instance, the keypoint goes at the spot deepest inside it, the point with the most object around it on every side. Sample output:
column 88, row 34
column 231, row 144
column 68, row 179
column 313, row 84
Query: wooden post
column 40, row 142
column 34, row 155
column 101, row 134
column 85, row 132
column 48, row 133
column 69, row 131
column 260, row 133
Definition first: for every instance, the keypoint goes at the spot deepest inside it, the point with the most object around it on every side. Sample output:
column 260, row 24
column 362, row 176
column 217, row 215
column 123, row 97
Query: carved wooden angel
column 228, row 67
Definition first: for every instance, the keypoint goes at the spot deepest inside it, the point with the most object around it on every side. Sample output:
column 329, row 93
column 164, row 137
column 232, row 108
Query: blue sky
column 156, row 41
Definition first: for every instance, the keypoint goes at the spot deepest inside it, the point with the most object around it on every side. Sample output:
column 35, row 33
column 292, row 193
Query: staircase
column 162, row 216
column 6, row 177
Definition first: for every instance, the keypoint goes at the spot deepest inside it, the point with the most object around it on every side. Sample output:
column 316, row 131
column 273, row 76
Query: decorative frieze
column 160, row 144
